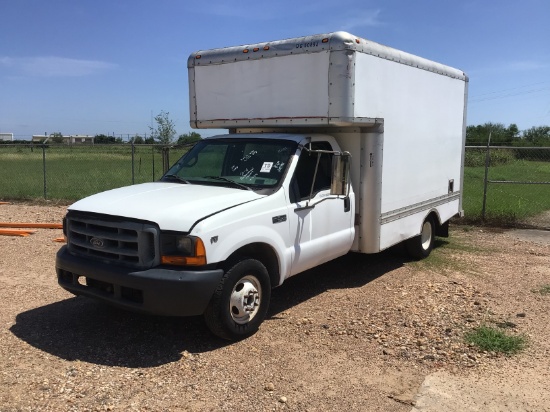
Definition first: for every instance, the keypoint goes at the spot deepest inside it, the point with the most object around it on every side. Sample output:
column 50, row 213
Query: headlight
column 182, row 250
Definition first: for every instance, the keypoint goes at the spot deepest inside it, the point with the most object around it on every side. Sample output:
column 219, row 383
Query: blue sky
column 104, row 66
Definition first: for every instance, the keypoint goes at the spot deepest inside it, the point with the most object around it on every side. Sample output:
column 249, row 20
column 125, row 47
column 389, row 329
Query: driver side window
column 300, row 187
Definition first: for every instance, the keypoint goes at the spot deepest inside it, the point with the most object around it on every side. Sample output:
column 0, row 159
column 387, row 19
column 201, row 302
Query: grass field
column 507, row 203
column 73, row 172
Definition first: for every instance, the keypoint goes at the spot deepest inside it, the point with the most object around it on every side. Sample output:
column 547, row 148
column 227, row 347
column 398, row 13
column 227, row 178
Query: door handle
column 347, row 204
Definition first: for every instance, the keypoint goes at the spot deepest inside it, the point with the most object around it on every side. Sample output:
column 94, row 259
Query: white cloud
column 517, row 66
column 52, row 66
column 526, row 65
column 340, row 18
column 6, row 61
column 367, row 18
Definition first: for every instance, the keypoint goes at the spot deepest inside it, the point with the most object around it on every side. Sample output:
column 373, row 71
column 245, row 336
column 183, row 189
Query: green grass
column 507, row 204
column 447, row 253
column 543, row 290
column 76, row 172
column 495, row 340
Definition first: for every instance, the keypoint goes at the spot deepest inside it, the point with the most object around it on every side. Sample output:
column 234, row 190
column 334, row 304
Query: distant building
column 38, row 138
column 78, row 139
column 71, row 139
column 6, row 137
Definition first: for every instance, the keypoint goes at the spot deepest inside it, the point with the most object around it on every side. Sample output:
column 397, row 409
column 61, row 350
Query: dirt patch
column 359, row 333
column 487, row 391
column 541, row 237
column 541, row 221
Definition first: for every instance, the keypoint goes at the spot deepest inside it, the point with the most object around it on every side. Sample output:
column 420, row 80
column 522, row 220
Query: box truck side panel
column 396, row 231
column 292, row 86
column 423, row 124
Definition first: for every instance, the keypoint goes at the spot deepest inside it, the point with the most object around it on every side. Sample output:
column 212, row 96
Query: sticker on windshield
column 266, row 167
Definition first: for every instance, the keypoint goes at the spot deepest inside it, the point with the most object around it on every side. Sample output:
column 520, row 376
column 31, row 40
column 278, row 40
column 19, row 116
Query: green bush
column 476, row 157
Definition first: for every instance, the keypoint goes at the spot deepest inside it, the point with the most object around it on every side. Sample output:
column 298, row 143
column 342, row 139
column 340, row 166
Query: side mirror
column 340, row 174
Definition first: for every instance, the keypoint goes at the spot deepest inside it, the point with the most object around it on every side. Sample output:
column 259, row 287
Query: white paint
column 270, row 88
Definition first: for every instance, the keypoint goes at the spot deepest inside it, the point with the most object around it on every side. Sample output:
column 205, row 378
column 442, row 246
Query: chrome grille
column 106, row 239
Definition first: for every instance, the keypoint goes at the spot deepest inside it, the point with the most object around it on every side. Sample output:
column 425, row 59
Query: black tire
column 240, row 302
column 419, row 247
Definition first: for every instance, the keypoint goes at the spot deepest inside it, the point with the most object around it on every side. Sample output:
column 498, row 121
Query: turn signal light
column 199, row 258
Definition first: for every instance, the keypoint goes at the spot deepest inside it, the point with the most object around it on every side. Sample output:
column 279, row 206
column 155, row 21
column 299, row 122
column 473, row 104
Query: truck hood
column 173, row 206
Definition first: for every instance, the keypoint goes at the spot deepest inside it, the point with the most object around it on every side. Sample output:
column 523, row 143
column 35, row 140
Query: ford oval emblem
column 97, row 242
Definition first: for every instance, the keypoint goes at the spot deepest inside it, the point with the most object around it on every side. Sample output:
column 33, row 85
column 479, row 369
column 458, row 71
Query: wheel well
column 441, row 229
column 262, row 252
column 435, row 218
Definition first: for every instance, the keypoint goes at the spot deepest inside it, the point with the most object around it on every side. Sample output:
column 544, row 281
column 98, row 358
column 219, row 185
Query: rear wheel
column 419, row 247
column 240, row 303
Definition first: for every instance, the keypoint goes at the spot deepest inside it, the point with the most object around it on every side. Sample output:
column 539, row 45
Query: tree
column 103, row 139
column 538, row 136
column 188, row 138
column 500, row 134
column 56, row 137
column 165, row 131
column 138, row 139
column 513, row 133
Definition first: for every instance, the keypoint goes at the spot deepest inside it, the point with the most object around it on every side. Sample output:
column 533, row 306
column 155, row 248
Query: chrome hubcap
column 426, row 235
column 245, row 299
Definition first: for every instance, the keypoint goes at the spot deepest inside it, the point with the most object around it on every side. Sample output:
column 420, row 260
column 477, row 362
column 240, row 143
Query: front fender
column 236, row 238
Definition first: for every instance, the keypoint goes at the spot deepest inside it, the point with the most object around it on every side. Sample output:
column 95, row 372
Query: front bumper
column 158, row 291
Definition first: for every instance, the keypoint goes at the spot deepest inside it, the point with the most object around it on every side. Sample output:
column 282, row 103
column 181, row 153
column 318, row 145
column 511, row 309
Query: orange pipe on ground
column 15, row 232
column 32, row 225
column 59, row 240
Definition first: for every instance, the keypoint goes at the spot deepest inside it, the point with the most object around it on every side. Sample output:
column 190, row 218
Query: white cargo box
column 328, row 79
column 402, row 117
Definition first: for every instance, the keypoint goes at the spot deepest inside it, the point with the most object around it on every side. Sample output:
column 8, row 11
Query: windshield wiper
column 179, row 179
column 225, row 179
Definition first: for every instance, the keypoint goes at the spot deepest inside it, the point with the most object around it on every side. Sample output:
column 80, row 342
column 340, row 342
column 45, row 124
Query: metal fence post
column 485, row 180
column 165, row 159
column 44, row 168
column 133, row 173
column 153, row 155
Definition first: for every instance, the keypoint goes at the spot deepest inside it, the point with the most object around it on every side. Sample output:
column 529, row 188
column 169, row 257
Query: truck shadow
column 82, row 329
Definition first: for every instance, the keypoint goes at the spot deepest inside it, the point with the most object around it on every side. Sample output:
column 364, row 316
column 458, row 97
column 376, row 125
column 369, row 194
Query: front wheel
column 240, row 303
column 419, row 247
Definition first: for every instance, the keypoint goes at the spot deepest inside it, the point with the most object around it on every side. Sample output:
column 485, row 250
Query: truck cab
column 234, row 217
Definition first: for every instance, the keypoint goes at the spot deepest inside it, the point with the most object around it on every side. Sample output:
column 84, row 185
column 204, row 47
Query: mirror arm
column 314, row 177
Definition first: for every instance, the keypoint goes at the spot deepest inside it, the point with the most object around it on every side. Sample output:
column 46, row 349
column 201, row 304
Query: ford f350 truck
column 335, row 144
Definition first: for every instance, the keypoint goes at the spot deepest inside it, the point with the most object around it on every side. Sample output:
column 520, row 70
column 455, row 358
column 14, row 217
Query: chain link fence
column 71, row 172
column 507, row 186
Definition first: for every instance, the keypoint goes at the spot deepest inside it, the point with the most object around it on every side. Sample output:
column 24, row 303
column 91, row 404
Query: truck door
column 320, row 231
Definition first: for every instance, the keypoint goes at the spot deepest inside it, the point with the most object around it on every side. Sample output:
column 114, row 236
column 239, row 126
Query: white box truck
column 335, row 144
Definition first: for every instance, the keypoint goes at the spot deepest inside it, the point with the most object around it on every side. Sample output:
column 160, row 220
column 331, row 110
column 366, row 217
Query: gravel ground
column 359, row 333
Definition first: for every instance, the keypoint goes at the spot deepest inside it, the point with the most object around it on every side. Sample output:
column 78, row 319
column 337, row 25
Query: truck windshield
column 239, row 163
